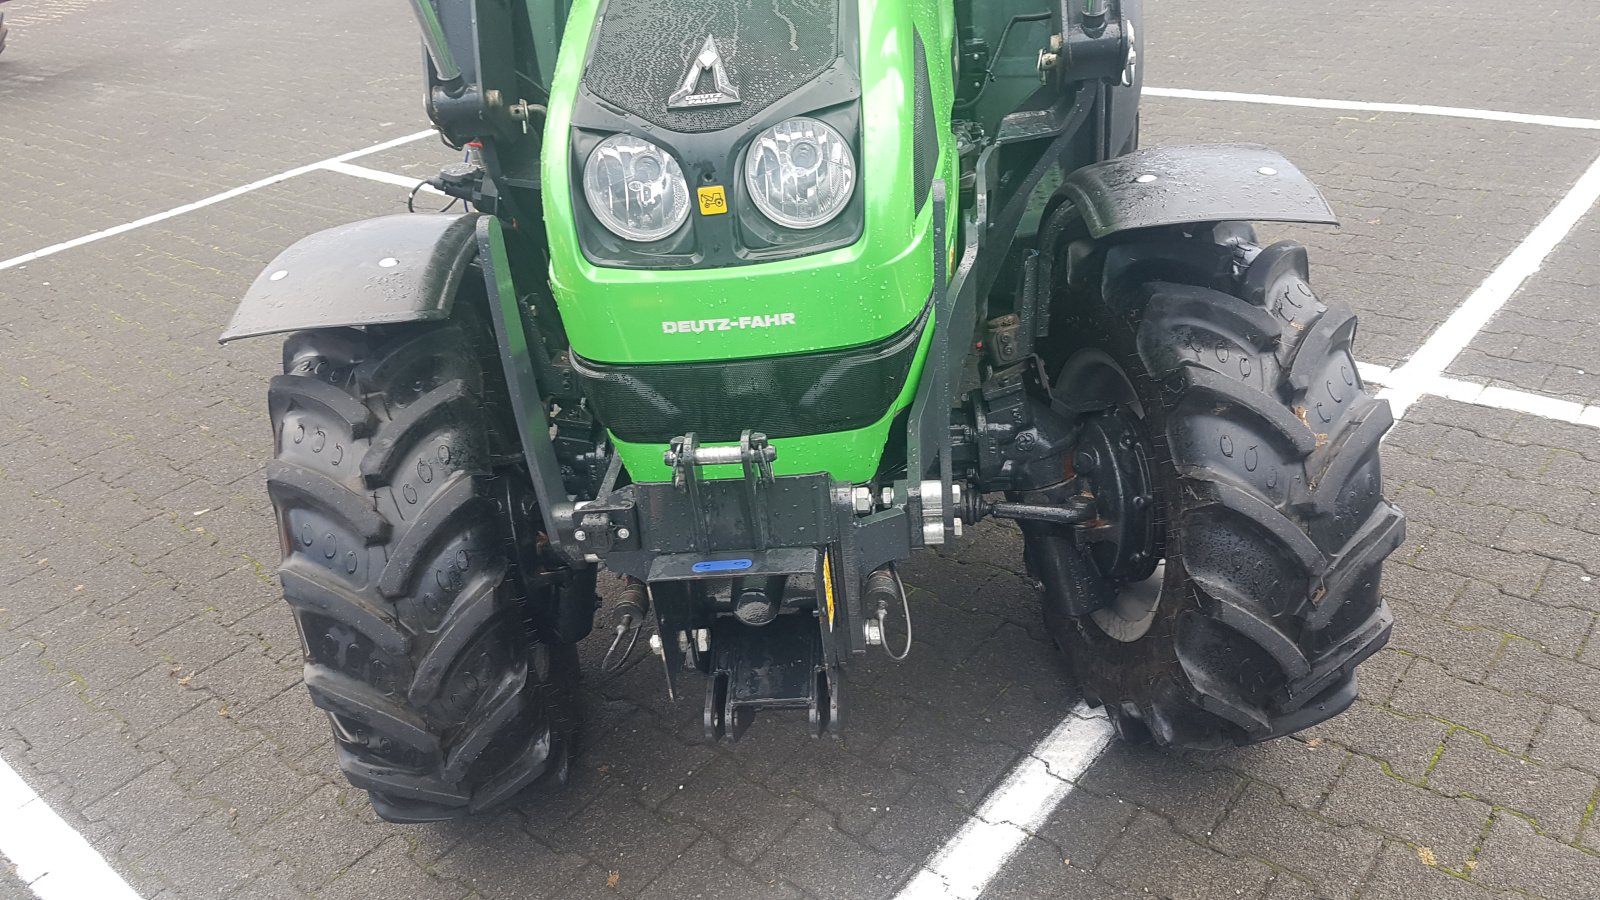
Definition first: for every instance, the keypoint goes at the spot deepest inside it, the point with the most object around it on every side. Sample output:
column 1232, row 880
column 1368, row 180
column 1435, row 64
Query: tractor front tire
column 1263, row 459
column 394, row 480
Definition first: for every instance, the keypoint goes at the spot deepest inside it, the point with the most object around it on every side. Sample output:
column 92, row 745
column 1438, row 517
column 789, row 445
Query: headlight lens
column 635, row 188
column 800, row 172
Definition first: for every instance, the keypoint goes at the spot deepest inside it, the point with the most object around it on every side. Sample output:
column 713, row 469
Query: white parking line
column 1417, row 374
column 54, row 861
column 1491, row 397
column 1516, row 401
column 1415, row 109
column 213, row 199
column 405, row 181
column 1034, row 787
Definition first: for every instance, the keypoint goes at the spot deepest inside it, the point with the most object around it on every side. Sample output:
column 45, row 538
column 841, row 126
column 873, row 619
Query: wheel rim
column 1125, row 548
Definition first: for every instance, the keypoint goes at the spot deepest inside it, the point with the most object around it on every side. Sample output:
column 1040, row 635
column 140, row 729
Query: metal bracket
column 754, row 454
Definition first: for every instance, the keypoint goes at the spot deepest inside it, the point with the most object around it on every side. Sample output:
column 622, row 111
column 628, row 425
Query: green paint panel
column 842, row 297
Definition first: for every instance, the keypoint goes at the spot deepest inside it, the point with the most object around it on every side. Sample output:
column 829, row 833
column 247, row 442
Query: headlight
column 635, row 188
column 800, row 172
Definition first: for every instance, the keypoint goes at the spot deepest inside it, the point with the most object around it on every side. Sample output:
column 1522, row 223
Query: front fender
column 400, row 268
column 1194, row 184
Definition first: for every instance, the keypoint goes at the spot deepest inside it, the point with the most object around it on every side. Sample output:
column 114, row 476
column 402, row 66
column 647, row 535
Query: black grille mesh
column 782, row 396
column 770, row 49
column 924, row 131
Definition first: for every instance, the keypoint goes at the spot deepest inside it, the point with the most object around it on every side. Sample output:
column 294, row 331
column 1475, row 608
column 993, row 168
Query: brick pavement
column 1549, row 341
column 149, row 675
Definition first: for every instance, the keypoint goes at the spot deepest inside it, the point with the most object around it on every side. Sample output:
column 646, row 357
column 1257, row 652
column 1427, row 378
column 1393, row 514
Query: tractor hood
column 658, row 106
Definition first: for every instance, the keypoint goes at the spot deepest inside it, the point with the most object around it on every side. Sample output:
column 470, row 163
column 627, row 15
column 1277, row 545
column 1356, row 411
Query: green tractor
column 754, row 300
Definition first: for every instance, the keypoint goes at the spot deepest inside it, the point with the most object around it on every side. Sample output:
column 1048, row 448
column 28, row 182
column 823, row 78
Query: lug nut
column 580, row 535
column 863, row 499
column 623, row 534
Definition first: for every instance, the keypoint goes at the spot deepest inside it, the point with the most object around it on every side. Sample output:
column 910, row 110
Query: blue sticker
column 723, row 565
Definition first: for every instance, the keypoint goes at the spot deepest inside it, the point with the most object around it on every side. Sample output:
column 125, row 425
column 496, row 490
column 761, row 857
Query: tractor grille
column 924, row 132
column 770, row 49
column 782, row 396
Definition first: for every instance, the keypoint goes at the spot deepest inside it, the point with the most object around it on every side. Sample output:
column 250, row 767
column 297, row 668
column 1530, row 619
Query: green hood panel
column 850, row 295
column 842, row 297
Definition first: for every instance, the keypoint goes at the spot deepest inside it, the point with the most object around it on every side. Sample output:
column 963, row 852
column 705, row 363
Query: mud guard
column 1194, row 184
column 400, row 268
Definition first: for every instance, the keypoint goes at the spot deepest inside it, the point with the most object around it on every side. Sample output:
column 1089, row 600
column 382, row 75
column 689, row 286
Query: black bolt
column 1084, row 461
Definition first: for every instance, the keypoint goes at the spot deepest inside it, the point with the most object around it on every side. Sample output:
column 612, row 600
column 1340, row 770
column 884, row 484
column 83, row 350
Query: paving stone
column 703, row 873
column 1555, row 798
column 56, row 719
column 388, row 871
column 318, row 838
column 551, row 812
column 273, row 884
column 1557, row 631
column 651, row 842
column 1517, row 857
column 1425, row 506
column 917, row 823
column 1332, row 857
column 246, row 680
column 99, row 762
column 1508, row 721
column 496, row 857
column 255, row 788
column 1085, row 824
column 1407, row 744
column 145, row 615
column 819, row 858
column 1301, row 771
column 145, row 813
column 199, row 741
column 1038, row 870
column 1151, row 856
column 857, row 801
column 1568, row 738
column 653, row 761
column 1534, row 537
column 964, row 768
column 1522, row 669
column 746, row 816
column 1401, row 874
column 1567, row 585
column 1185, row 789
column 1285, row 886
column 146, row 704
column 1381, row 673
column 1448, row 828
column 1464, row 652
column 198, row 643
column 207, row 860
column 24, row 676
column 290, row 721
column 1512, row 570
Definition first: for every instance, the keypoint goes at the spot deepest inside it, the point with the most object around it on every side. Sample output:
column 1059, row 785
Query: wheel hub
column 1113, row 457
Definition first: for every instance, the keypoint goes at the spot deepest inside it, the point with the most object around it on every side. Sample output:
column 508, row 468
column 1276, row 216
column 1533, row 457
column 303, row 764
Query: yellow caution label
column 713, row 200
column 827, row 585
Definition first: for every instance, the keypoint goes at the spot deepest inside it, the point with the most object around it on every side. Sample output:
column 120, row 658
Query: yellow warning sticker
column 713, row 200
column 827, row 585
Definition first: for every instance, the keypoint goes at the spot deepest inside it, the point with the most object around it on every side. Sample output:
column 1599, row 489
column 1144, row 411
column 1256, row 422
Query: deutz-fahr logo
column 685, row 326
column 722, row 92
